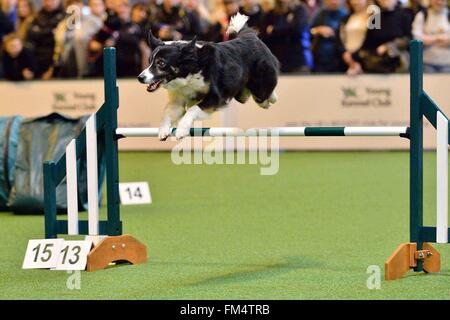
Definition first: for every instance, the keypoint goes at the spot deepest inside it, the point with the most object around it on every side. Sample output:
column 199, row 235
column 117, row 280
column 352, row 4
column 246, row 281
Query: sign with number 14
column 134, row 193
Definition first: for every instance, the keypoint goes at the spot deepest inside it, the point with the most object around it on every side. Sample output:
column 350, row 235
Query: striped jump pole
column 418, row 254
column 102, row 131
column 280, row 131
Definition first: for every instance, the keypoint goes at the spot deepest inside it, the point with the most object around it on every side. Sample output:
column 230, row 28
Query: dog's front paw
column 273, row 98
column 164, row 133
column 182, row 132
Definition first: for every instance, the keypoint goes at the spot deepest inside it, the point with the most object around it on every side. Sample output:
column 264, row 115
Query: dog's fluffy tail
column 237, row 22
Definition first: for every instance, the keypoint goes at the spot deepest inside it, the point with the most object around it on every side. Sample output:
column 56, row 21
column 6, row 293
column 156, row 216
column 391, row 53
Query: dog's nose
column 141, row 78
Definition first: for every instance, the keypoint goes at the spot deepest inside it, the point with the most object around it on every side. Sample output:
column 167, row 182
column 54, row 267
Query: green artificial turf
column 226, row 232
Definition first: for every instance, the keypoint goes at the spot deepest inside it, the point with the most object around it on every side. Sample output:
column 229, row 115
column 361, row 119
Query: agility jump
column 102, row 132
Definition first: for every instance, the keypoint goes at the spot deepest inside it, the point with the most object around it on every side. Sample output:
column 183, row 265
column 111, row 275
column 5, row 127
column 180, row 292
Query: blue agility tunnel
column 9, row 137
column 24, row 145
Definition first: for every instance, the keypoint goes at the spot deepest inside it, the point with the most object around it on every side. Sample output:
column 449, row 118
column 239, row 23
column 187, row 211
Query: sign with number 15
column 42, row 253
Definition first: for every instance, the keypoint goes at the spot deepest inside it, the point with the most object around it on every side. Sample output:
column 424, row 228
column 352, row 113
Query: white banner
column 309, row 100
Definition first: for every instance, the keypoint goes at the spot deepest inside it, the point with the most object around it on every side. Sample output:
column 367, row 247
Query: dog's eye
column 161, row 63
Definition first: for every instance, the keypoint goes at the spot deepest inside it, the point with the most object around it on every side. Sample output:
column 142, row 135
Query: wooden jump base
column 101, row 131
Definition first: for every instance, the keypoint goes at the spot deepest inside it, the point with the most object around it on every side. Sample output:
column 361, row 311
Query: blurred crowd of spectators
column 65, row 39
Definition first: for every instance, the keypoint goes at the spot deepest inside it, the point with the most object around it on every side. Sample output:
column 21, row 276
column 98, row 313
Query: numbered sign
column 73, row 255
column 134, row 193
column 42, row 253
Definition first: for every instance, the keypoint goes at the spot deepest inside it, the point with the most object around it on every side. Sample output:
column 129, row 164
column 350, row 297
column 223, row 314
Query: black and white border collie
column 202, row 77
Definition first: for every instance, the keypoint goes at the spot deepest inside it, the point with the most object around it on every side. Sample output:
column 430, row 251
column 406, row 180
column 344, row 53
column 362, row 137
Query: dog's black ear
column 153, row 42
column 191, row 44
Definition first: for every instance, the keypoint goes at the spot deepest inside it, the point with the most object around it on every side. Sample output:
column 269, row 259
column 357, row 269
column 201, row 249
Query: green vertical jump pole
column 50, row 200
column 131, row 250
column 418, row 254
column 114, row 226
column 104, row 253
column 416, row 147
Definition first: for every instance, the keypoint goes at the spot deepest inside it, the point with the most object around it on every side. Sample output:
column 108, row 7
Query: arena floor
column 226, row 232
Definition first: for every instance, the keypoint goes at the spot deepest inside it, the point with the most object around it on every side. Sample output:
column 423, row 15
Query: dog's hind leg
column 268, row 102
column 262, row 104
column 243, row 95
column 265, row 104
column 262, row 84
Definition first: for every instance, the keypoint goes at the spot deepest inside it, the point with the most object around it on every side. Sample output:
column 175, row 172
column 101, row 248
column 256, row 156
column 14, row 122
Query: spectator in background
column 25, row 16
column 283, row 31
column 222, row 18
column 231, row 7
column 129, row 43
column 352, row 33
column 412, row 8
column 18, row 62
column 324, row 31
column 385, row 49
column 9, row 8
column 201, row 13
column 173, row 22
column 432, row 26
column 109, row 5
column 41, row 37
column 71, row 39
column 5, row 25
column 112, row 21
column 252, row 9
column 217, row 20
column 313, row 7
column 139, row 15
column 267, row 5
column 152, row 9
column 98, row 9
column 105, row 37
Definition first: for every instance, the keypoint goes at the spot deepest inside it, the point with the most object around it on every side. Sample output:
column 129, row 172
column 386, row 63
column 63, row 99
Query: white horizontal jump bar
column 375, row 131
column 281, row 131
